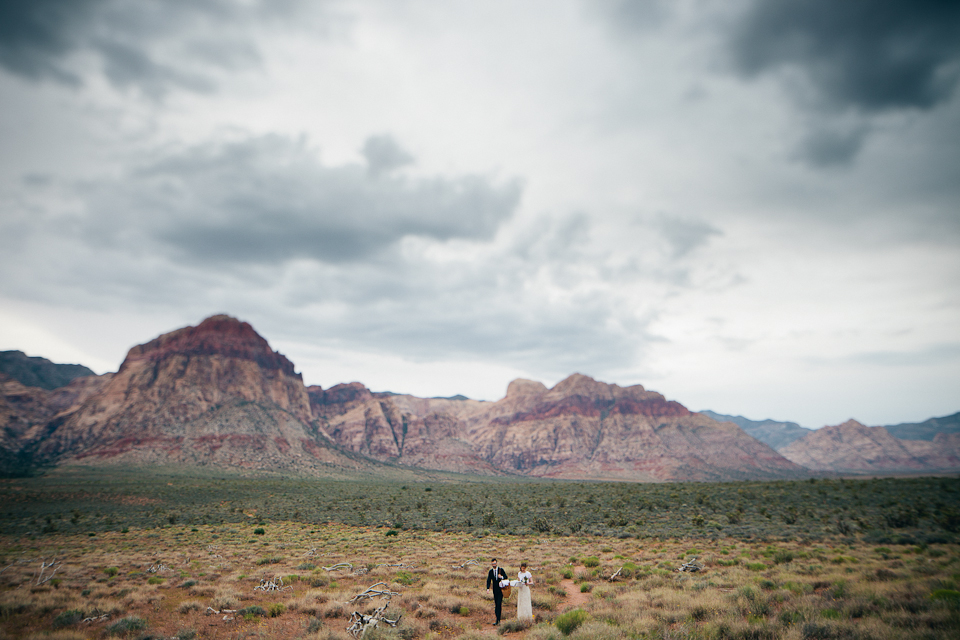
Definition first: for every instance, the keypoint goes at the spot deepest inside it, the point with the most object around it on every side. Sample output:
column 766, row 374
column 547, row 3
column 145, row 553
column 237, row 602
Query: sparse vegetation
column 874, row 581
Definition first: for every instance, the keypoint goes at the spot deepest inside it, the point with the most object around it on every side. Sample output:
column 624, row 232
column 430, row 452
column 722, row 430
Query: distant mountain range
column 217, row 395
column 771, row 432
column 932, row 445
column 32, row 371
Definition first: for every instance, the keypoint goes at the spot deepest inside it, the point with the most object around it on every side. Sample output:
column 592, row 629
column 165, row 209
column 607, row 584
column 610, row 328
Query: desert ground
column 92, row 576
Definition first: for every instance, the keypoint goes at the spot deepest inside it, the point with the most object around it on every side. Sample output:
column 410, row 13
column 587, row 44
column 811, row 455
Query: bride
column 524, row 608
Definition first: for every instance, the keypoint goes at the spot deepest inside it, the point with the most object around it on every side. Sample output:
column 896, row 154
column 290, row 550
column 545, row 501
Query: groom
column 494, row 576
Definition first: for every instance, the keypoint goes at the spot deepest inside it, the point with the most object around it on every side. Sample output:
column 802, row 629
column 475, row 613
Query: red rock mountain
column 582, row 429
column 855, row 448
column 211, row 394
column 218, row 394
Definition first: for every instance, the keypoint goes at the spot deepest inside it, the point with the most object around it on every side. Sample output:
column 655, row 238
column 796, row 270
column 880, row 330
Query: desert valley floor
column 92, row 554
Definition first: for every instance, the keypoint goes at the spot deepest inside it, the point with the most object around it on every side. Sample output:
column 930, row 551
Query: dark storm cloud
column 148, row 44
column 268, row 200
column 860, row 57
column 872, row 55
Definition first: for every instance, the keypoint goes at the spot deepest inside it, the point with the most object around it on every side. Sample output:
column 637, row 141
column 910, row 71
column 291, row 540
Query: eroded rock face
column 852, row 447
column 211, row 394
column 581, row 428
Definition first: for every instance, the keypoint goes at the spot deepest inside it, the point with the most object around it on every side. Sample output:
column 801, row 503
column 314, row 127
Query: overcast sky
column 751, row 207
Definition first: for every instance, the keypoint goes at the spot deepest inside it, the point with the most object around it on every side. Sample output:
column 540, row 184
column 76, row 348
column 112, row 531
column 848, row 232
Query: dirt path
column 574, row 598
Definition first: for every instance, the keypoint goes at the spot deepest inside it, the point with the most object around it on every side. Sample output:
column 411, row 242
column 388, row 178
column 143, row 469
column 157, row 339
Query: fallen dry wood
column 360, row 623
column 372, row 592
column 338, row 566
column 53, row 564
column 692, row 566
column 465, row 564
column 272, row 585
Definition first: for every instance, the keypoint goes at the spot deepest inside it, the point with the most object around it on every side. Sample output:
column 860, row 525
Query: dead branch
column 311, row 553
column 692, row 566
column 272, row 585
column 53, row 564
column 226, row 618
column 398, row 565
column 465, row 564
column 338, row 566
column 157, row 568
column 615, row 575
column 360, row 623
column 97, row 617
column 372, row 592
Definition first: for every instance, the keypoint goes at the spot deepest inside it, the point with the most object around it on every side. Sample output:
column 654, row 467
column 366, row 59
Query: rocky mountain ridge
column 217, row 394
column 852, row 447
column 775, row 433
column 33, row 371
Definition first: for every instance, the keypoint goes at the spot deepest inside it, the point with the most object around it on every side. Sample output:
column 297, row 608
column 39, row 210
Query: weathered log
column 465, row 564
column 692, row 566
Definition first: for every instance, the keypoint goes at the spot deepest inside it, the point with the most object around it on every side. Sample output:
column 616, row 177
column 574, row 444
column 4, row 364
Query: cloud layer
column 744, row 206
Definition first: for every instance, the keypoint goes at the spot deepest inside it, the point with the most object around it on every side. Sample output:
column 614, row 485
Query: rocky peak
column 581, row 385
column 221, row 335
column 522, row 387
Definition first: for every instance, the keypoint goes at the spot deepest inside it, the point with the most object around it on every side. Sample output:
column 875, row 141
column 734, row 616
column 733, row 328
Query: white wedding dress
column 524, row 606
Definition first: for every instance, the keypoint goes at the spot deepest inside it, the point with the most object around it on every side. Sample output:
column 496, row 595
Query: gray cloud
column 147, row 44
column 827, row 143
column 384, row 154
column 869, row 55
column 267, row 200
column 684, row 235
column 850, row 61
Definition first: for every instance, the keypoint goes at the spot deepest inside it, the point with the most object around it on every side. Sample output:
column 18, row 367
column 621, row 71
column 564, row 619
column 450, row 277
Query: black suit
column 494, row 579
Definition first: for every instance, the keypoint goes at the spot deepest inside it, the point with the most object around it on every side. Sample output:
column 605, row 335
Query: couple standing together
column 497, row 579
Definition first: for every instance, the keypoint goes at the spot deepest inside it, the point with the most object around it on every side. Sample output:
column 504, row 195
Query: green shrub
column 586, row 587
column 307, row 566
column 274, row 560
column 591, row 561
column 568, row 622
column 188, row 583
column 155, row 580
column 277, row 610
column 950, row 596
column 67, row 618
column 251, row 612
column 259, row 531
column 567, row 574
column 111, row 571
column 392, row 532
column 464, row 611
column 782, row 557
column 404, row 578
column 756, row 566
column 185, row 634
column 126, row 625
